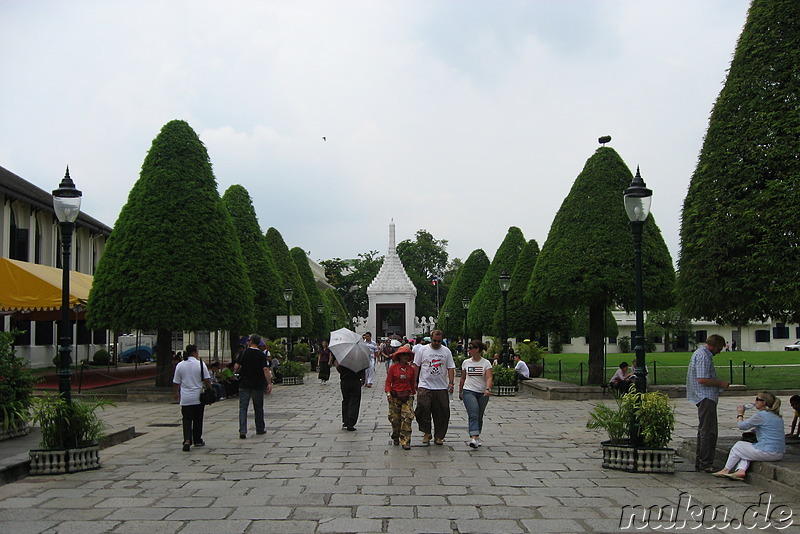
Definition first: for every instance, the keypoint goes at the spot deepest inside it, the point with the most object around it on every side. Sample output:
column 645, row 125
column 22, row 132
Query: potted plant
column 71, row 432
column 293, row 373
column 504, row 380
column 16, row 387
column 459, row 360
column 655, row 416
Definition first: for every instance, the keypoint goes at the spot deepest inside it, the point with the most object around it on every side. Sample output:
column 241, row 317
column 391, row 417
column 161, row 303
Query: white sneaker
column 480, row 443
column 473, row 443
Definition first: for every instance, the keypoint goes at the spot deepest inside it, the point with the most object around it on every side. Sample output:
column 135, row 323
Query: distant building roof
column 19, row 189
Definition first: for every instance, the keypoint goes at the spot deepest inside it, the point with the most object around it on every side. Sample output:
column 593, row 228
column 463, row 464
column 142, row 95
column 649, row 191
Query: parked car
column 793, row 346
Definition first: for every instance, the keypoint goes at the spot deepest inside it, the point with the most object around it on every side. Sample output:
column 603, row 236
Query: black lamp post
column 67, row 205
column 320, row 310
column 287, row 296
column 447, row 323
column 335, row 320
column 637, row 205
column 465, row 303
column 505, row 284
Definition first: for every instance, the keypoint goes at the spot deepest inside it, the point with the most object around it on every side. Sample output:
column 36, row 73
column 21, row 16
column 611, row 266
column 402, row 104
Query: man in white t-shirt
column 436, row 371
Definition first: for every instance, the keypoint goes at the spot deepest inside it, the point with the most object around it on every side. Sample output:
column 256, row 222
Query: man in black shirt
column 351, row 383
column 254, row 378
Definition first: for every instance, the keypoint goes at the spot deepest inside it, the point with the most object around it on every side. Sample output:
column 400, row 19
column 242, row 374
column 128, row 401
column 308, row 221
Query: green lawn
column 767, row 370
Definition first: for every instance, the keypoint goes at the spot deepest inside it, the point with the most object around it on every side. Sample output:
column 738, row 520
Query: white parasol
column 350, row 350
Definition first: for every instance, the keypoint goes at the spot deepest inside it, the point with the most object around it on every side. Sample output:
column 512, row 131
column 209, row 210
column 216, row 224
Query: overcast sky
column 462, row 118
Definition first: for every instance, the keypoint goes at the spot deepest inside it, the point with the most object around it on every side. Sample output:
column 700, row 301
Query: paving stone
column 138, row 527
column 135, row 514
column 215, row 527
column 448, row 512
column 282, row 527
column 388, row 512
column 481, row 526
column 261, row 512
column 85, row 527
column 554, row 525
column 347, row 525
column 196, row 514
column 421, row 526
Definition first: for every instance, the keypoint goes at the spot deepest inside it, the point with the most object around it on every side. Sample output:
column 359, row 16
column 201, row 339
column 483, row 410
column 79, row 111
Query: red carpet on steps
column 100, row 377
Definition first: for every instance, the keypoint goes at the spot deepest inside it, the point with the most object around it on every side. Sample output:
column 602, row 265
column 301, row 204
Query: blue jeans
column 475, row 403
column 245, row 394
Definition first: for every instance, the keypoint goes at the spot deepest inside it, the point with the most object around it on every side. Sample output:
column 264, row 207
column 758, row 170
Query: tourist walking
column 351, row 383
column 324, row 363
column 771, row 443
column 254, row 379
column 436, row 370
column 401, row 385
column 373, row 347
column 702, row 390
column 475, row 389
column 187, row 384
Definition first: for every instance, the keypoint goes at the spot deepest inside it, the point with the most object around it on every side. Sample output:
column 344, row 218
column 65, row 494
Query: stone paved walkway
column 539, row 471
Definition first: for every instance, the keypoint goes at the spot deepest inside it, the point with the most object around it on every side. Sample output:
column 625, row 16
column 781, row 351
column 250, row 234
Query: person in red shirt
column 401, row 386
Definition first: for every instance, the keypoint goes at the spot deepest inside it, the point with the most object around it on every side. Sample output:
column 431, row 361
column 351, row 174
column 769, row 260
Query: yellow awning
column 30, row 287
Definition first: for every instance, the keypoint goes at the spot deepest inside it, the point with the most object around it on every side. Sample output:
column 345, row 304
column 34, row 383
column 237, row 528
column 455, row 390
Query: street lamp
column 465, row 303
column 637, row 205
column 447, row 322
column 67, row 205
column 320, row 310
column 287, row 296
column 505, row 284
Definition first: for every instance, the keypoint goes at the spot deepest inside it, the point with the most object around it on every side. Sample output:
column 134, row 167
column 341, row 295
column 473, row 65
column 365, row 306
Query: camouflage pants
column 401, row 413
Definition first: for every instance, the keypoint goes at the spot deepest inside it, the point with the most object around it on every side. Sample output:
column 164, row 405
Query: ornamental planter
column 625, row 457
column 60, row 461
column 504, row 391
column 292, row 380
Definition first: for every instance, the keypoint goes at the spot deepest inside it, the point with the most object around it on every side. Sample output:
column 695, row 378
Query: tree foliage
column 489, row 297
column 739, row 232
column 335, row 310
column 351, row 278
column 313, row 293
column 588, row 258
column 264, row 276
column 465, row 284
column 424, row 258
column 290, row 277
column 173, row 261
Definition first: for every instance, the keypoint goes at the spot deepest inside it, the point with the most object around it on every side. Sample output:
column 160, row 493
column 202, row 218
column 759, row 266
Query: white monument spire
column 392, row 248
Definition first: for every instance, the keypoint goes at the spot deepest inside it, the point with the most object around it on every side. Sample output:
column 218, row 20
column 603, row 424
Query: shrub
column 503, row 376
column 301, row 352
column 67, row 425
column 290, row 369
column 624, row 344
column 16, row 385
column 653, row 411
column 530, row 352
column 101, row 357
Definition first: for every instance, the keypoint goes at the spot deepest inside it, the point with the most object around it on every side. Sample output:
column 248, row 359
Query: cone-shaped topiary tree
column 264, row 276
column 489, row 298
column 588, row 257
column 338, row 316
column 466, row 284
column 173, row 261
column 740, row 230
column 290, row 277
column 524, row 320
column 312, row 292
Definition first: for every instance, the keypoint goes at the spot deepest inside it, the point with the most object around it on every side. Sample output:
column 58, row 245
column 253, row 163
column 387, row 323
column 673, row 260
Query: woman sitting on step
column 768, row 424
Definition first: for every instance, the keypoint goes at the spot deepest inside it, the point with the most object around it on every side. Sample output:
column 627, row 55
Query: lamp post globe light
column 67, row 205
column 320, row 310
column 505, row 284
column 465, row 303
column 287, row 296
column 637, row 205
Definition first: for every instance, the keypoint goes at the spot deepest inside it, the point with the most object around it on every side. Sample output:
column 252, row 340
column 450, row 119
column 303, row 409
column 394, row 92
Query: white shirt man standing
column 436, row 370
